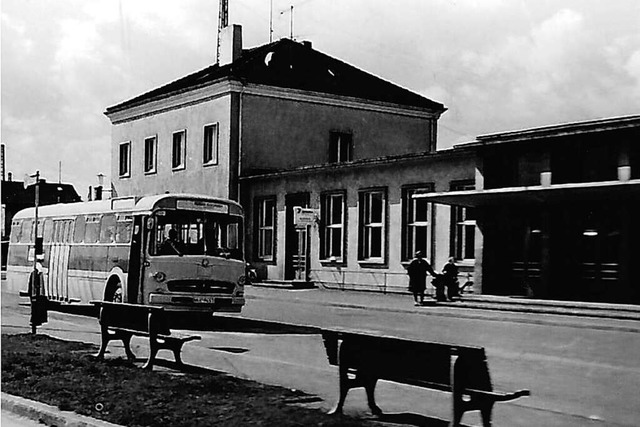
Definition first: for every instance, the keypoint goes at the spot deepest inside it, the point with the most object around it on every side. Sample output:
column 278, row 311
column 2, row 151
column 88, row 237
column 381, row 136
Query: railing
column 374, row 280
column 380, row 281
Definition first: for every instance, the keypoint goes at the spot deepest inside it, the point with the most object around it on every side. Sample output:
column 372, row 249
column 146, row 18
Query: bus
column 179, row 251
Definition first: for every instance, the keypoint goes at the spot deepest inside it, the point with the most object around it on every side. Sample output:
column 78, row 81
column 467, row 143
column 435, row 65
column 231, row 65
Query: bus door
column 136, row 261
column 58, row 271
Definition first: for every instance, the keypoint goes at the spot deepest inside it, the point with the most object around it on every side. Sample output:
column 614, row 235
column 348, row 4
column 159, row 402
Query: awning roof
column 560, row 193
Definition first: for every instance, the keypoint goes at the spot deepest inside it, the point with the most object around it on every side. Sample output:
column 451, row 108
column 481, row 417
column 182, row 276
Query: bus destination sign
column 202, row 205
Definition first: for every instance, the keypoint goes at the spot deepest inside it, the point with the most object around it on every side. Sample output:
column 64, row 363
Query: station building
column 556, row 210
column 327, row 160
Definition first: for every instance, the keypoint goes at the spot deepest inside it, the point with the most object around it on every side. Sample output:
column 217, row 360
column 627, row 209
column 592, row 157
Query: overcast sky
column 496, row 64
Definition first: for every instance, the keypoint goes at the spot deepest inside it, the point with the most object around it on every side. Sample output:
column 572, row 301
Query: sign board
column 202, row 205
column 303, row 217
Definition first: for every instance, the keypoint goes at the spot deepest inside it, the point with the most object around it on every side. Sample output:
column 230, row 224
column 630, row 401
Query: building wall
column 212, row 180
column 437, row 170
column 285, row 130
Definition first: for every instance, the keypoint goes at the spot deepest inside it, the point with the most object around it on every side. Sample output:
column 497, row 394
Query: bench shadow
column 411, row 419
column 199, row 322
column 222, row 323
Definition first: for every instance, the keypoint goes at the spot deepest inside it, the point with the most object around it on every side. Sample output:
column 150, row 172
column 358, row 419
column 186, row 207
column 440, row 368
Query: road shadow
column 411, row 419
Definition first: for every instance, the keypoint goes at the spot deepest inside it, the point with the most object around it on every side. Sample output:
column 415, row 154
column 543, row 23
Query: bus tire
column 113, row 290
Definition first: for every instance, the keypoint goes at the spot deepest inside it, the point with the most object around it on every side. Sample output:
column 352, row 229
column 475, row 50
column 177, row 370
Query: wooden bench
column 121, row 321
column 363, row 359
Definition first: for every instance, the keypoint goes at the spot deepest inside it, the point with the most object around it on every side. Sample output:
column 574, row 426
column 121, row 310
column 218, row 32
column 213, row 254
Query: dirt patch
column 66, row 375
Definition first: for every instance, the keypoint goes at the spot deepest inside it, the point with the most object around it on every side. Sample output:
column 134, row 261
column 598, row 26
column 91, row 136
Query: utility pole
column 223, row 21
column 38, row 300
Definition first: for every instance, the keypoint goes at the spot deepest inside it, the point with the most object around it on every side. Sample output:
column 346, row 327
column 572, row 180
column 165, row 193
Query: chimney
column 307, row 44
column 230, row 44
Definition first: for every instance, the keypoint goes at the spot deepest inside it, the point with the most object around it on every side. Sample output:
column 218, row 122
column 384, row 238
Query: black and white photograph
column 320, row 213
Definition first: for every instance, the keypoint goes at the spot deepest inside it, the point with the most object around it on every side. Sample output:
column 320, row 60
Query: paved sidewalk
column 488, row 306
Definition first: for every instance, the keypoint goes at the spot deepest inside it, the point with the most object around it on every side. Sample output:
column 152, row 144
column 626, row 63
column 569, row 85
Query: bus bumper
column 201, row 303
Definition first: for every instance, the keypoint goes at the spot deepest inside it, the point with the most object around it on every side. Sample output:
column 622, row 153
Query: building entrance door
column 296, row 240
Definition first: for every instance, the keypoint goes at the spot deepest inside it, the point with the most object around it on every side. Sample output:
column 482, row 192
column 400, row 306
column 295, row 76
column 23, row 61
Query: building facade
column 296, row 135
column 358, row 225
column 556, row 211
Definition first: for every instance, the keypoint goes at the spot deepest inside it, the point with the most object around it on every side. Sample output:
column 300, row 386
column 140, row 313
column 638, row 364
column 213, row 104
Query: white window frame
column 329, row 201
column 368, row 226
column 151, row 167
column 213, row 149
column 182, row 163
column 411, row 224
column 266, row 207
column 462, row 228
column 124, row 173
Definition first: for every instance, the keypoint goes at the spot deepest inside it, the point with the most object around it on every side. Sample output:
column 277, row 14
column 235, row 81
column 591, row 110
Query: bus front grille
column 201, row 286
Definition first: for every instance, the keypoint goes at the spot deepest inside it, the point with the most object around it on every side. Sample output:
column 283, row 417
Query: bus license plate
column 205, row 300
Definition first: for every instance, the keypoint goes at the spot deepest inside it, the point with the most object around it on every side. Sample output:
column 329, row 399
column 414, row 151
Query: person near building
column 417, row 271
column 450, row 279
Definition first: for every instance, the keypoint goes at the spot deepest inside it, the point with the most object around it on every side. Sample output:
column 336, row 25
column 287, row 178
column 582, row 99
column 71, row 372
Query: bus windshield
column 180, row 232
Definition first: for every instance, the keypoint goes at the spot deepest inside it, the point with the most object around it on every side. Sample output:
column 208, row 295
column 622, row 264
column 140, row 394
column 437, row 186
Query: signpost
column 38, row 299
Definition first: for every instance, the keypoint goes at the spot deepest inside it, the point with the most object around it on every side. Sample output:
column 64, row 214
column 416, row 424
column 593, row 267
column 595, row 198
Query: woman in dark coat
column 417, row 271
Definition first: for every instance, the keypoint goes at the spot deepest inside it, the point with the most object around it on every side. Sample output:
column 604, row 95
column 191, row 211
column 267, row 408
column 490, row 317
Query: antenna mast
column 223, row 21
column 291, row 22
column 270, row 21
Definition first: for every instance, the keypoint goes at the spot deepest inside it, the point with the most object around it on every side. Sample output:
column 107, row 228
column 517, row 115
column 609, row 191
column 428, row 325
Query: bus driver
column 172, row 245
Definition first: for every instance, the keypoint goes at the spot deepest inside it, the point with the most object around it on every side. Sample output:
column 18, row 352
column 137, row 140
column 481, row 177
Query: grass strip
column 65, row 374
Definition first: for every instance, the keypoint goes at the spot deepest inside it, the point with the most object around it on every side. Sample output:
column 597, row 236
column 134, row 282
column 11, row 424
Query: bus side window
column 124, row 223
column 26, row 233
column 16, row 230
column 47, row 233
column 79, row 229
column 68, row 231
column 108, row 229
column 92, row 229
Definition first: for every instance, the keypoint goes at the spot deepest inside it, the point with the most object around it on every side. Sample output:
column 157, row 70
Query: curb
column 47, row 414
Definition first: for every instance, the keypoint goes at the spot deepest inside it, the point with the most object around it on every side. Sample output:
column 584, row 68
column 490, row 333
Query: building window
column 463, row 228
column 266, row 219
column 210, row 148
column 333, row 225
column 150, row 154
column 124, row 168
column 416, row 224
column 372, row 214
column 178, row 157
column 340, row 147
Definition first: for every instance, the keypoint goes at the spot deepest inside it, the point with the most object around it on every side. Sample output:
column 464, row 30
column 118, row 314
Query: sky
column 497, row 65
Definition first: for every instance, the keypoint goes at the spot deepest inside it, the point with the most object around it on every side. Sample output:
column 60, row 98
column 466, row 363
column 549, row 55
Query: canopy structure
column 537, row 195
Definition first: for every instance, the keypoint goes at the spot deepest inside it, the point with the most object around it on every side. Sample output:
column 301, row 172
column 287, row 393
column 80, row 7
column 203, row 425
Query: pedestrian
column 417, row 271
column 450, row 276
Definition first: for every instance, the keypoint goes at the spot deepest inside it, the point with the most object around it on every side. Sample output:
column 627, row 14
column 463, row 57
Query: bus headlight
column 159, row 276
column 242, row 280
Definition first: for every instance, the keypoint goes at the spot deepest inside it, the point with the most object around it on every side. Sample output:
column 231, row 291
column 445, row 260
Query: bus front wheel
column 113, row 291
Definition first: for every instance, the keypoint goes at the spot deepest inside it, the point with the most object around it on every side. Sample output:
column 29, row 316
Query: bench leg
column 370, row 388
column 153, row 351
column 485, row 412
column 104, row 341
column 343, row 379
column 126, row 341
column 456, row 392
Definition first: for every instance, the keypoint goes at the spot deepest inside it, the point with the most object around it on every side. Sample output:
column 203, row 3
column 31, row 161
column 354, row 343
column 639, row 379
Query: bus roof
column 131, row 204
